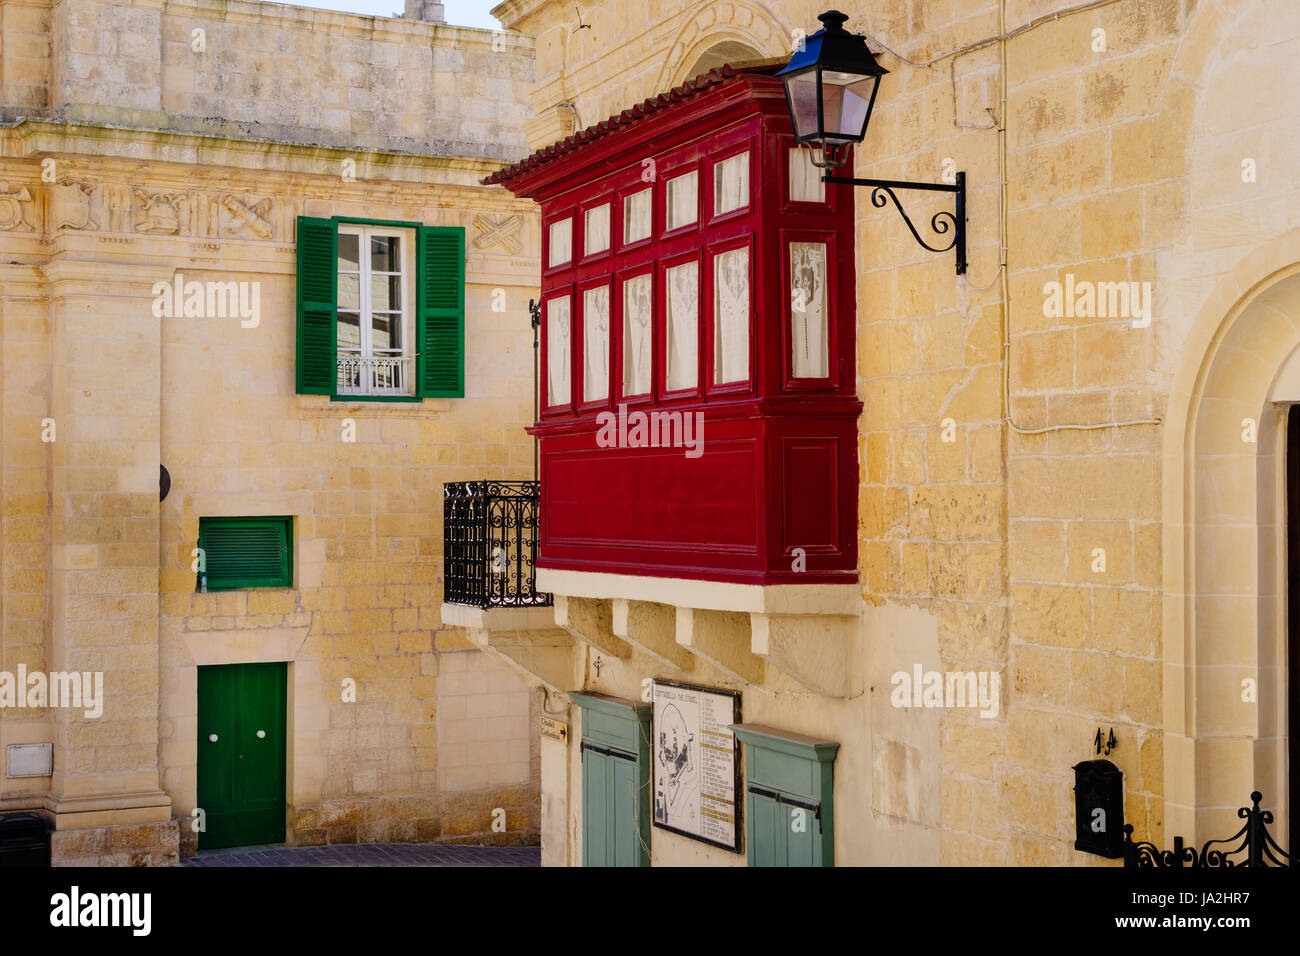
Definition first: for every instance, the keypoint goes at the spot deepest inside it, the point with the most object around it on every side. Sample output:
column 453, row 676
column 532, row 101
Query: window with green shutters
column 381, row 310
column 789, row 797
column 245, row 553
column 615, row 780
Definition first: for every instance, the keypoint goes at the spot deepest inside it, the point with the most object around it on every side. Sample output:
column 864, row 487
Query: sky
column 461, row 13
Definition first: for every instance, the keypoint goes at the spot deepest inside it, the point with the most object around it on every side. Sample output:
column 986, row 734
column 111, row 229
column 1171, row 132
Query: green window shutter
column 766, row 838
column 615, row 780
column 789, row 797
column 247, row 552
column 440, row 315
column 625, row 838
column 318, row 280
column 801, row 826
column 596, row 817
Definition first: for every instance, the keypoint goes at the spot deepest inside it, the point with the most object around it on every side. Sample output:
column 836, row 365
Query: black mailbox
column 1099, row 808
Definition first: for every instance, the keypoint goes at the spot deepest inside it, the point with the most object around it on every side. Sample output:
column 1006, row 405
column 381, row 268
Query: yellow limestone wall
column 1145, row 142
column 125, row 161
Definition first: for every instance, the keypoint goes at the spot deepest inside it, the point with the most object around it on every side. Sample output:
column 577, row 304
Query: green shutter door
column 766, row 834
column 241, row 774
column 800, row 829
column 595, row 808
column 317, row 365
column 440, row 318
column 610, row 802
column 623, row 806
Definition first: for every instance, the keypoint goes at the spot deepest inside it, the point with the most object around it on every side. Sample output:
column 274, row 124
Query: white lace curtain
column 731, row 316
column 561, row 242
column 731, row 184
column 805, row 179
column 808, row 339
column 557, row 350
column 683, row 326
column 595, row 344
column 636, row 216
column 683, row 200
column 595, row 229
column 636, row 336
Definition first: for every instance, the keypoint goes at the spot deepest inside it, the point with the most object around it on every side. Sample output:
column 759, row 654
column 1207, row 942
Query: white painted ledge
column 705, row 595
column 498, row 618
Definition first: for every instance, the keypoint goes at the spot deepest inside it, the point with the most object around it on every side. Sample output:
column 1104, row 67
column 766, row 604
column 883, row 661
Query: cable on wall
column 1001, row 39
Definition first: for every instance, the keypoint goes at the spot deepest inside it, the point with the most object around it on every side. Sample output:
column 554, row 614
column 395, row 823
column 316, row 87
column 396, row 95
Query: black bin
column 24, row 840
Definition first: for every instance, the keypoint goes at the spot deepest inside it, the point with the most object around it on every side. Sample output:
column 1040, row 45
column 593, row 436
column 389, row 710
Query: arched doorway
column 1228, row 670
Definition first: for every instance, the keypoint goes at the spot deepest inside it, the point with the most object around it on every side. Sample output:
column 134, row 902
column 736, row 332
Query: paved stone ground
column 371, row 854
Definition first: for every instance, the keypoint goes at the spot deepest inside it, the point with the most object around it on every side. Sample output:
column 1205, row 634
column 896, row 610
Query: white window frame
column 366, row 350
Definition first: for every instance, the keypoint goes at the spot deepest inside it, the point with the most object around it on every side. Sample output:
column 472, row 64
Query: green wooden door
column 241, row 754
column 610, row 832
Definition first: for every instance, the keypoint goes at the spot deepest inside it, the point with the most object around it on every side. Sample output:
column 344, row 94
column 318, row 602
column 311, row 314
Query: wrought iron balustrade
column 490, row 536
column 1253, row 840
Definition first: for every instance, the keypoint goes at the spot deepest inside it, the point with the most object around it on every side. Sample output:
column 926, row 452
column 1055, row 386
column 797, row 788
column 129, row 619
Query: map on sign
column 695, row 765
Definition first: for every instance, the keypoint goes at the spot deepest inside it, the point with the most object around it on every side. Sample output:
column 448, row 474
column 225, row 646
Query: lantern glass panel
column 801, row 89
column 846, row 98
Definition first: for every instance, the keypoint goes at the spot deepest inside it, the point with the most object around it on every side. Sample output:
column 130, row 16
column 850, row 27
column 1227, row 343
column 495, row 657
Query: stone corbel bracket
column 591, row 622
column 820, row 651
column 652, row 629
column 525, row 639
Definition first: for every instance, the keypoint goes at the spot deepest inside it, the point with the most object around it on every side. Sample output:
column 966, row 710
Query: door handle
column 261, row 734
column 212, row 737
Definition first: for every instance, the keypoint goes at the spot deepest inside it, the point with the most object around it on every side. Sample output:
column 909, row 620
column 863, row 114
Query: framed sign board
column 696, row 763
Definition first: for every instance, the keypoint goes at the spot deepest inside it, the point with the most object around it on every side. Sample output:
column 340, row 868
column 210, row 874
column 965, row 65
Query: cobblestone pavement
column 371, row 854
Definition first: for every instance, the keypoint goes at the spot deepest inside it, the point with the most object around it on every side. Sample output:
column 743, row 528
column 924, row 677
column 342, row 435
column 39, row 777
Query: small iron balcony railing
column 373, row 374
column 490, row 536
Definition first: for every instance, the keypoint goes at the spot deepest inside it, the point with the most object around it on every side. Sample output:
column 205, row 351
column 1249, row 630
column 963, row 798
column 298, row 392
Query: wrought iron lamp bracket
column 882, row 190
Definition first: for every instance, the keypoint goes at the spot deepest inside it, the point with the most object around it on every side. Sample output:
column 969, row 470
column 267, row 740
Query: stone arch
column 1224, row 615
column 728, row 51
column 747, row 25
column 1223, row 544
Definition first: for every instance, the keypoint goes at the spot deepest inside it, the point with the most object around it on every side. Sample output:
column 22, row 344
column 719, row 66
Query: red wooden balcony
column 698, row 407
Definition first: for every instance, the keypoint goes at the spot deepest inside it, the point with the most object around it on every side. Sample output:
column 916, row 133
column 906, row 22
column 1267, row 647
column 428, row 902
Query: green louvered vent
column 441, row 367
column 246, row 553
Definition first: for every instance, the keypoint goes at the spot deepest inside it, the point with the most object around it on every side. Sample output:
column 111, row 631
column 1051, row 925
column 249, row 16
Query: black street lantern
column 830, row 89
column 831, row 84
